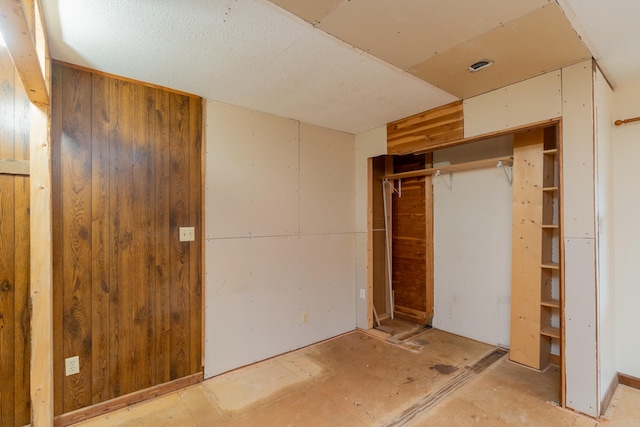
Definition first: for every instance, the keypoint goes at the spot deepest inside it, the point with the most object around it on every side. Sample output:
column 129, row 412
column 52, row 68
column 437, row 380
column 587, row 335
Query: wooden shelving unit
column 536, row 294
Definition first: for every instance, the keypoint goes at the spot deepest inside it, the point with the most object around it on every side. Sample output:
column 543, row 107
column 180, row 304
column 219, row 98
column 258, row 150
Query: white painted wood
column 258, row 288
column 580, row 328
column 327, row 183
column 578, row 151
column 251, row 173
column 603, row 99
column 529, row 101
column 626, row 229
column 472, row 246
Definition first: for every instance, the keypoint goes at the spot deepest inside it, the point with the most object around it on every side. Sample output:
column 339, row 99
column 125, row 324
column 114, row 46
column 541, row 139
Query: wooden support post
column 41, row 271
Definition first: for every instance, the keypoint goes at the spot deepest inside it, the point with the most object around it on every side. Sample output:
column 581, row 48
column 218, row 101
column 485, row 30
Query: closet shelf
column 480, row 164
column 550, row 331
column 553, row 303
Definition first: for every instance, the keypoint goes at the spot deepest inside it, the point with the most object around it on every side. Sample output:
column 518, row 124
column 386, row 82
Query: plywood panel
column 389, row 30
column 520, row 51
column 425, row 130
column 127, row 175
column 529, row 101
column 581, row 325
column 527, row 248
column 15, row 338
column 271, row 281
column 252, row 164
column 578, row 150
column 326, row 181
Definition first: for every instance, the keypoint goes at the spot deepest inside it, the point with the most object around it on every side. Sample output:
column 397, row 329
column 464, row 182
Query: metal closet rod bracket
column 398, row 190
column 448, row 184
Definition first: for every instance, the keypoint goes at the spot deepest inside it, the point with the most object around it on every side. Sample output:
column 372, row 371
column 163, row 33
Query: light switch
column 187, row 234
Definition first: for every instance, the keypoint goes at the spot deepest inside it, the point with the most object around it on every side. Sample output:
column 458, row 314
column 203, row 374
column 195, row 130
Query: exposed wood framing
column 14, row 167
column 20, row 41
column 425, row 130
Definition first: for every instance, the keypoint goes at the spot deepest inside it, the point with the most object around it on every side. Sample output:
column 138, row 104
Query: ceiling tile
column 407, row 32
column 539, row 42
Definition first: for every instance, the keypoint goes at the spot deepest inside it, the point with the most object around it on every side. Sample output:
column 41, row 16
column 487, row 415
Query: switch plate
column 363, row 295
column 187, row 234
column 304, row 317
column 72, row 365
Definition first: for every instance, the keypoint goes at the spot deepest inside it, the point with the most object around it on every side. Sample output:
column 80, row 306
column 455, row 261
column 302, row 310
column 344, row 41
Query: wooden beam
column 478, row 164
column 41, row 271
column 14, row 167
column 14, row 25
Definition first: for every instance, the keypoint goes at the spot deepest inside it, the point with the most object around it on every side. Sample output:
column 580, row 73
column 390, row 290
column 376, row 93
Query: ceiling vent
column 475, row 67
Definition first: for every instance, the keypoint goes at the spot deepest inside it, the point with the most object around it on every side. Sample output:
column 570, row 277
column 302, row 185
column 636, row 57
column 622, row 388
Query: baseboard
column 629, row 381
column 554, row 359
column 126, row 400
column 609, row 395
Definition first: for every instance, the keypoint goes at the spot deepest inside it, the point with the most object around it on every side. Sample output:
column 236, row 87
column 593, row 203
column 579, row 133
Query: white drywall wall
column 472, row 245
column 626, row 213
column 369, row 144
column 280, row 236
column 529, row 101
column 578, row 194
column 603, row 102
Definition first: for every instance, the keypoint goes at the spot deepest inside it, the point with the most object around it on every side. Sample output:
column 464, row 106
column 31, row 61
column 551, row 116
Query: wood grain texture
column 425, row 130
column 409, row 231
column 527, row 248
column 15, row 337
column 127, row 174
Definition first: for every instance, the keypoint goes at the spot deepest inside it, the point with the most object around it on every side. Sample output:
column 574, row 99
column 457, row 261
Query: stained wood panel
column 409, row 242
column 427, row 130
column 15, row 340
column 127, row 174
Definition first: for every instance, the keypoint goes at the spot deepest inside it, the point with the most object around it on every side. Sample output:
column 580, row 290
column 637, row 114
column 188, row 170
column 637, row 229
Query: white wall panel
column 580, row 328
column 472, row 259
column 603, row 99
column 626, row 213
column 258, row 288
column 369, row 144
column 578, row 151
column 529, row 101
column 251, row 173
column 327, row 185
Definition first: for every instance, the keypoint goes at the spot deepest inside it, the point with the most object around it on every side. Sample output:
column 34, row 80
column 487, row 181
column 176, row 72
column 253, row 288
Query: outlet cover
column 363, row 295
column 72, row 365
column 187, row 234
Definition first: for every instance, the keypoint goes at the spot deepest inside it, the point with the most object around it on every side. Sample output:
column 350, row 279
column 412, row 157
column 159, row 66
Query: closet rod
column 479, row 164
column 621, row 122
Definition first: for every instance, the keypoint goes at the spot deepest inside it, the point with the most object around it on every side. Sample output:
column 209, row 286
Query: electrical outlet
column 363, row 295
column 187, row 234
column 304, row 317
column 72, row 365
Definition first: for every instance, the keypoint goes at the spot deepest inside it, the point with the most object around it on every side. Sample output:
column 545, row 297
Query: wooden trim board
column 127, row 400
column 629, row 380
column 14, row 167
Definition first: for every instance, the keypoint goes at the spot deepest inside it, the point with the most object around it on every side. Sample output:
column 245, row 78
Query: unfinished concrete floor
column 431, row 379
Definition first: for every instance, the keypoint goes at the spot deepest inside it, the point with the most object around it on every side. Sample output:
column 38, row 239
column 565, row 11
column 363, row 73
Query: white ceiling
column 253, row 54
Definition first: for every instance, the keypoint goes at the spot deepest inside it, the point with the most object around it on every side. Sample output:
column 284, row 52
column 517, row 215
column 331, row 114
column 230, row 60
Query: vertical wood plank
column 526, row 248
column 76, row 193
column 100, row 237
column 161, row 130
column 195, row 203
column 179, row 215
column 57, row 239
column 123, row 257
column 22, row 261
column 7, row 239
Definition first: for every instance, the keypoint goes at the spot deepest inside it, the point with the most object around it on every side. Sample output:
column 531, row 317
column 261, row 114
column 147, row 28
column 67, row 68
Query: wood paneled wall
column 15, row 340
column 127, row 173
